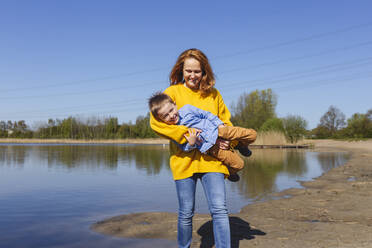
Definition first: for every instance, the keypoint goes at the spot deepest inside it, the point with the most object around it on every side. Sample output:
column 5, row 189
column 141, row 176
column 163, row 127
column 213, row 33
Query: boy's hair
column 156, row 101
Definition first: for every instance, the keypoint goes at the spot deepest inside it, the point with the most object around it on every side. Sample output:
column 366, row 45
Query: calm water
column 51, row 194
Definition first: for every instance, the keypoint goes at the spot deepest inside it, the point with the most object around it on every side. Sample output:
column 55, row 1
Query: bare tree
column 369, row 114
column 333, row 120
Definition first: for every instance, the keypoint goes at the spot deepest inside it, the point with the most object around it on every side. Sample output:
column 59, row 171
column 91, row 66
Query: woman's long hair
column 207, row 81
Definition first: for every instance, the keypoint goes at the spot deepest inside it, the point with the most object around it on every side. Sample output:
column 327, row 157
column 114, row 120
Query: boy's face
column 169, row 113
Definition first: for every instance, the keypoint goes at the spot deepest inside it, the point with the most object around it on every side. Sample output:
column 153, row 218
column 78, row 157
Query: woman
column 191, row 82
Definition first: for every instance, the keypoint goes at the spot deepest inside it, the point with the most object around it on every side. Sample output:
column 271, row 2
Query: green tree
column 320, row 132
column 273, row 124
column 252, row 110
column 111, row 127
column 3, row 129
column 295, row 127
column 359, row 126
column 142, row 127
column 124, row 131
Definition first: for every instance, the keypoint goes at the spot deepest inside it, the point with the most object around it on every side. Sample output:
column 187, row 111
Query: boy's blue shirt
column 194, row 117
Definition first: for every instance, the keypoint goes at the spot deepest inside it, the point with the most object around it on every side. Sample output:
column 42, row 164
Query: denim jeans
column 214, row 189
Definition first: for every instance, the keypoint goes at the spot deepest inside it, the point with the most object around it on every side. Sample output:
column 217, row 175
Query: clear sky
column 105, row 58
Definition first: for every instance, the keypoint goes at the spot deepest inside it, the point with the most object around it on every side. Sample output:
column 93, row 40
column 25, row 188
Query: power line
column 367, row 43
column 130, row 101
column 287, row 77
column 317, row 83
column 83, row 81
column 93, row 114
column 295, row 86
column 80, row 92
column 316, row 72
column 276, row 45
column 325, row 82
column 286, row 43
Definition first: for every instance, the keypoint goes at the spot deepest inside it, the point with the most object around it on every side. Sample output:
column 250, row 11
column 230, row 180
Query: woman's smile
column 192, row 73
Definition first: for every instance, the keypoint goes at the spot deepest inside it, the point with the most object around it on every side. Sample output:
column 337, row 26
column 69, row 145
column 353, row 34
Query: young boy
column 204, row 129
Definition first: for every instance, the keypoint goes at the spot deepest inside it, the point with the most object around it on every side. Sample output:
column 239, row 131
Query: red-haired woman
column 192, row 82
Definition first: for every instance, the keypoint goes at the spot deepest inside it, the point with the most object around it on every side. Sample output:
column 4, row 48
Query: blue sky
column 105, row 58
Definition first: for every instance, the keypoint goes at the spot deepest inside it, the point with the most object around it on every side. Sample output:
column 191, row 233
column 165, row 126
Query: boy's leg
column 230, row 158
column 244, row 135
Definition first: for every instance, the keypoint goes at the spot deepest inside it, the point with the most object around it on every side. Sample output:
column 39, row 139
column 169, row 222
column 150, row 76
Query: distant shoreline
column 147, row 141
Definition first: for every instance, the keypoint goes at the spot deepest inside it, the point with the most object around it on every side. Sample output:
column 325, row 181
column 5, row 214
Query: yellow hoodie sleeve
column 174, row 132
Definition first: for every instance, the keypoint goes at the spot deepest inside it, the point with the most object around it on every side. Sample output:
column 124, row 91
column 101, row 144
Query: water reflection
column 257, row 178
column 12, row 156
column 148, row 158
column 139, row 179
column 329, row 160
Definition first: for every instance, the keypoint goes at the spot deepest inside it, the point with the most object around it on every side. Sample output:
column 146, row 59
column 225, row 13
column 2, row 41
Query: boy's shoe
column 234, row 177
column 243, row 149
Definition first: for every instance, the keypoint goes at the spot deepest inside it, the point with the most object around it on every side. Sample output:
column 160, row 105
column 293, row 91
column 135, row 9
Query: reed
column 271, row 138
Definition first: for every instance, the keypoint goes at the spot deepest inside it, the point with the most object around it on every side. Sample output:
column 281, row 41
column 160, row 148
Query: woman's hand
column 223, row 144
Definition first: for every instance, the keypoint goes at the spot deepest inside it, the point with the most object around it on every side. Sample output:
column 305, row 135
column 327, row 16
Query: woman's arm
column 174, row 132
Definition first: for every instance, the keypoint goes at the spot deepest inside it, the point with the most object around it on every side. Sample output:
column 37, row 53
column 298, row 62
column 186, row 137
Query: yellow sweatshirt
column 185, row 164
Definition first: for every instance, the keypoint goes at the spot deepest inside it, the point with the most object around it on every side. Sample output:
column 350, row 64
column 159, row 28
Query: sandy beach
column 333, row 210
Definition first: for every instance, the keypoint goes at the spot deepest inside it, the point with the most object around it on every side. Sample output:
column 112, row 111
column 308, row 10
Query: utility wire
column 291, row 42
column 274, row 81
column 324, row 82
column 268, row 81
column 88, row 106
column 276, row 45
column 295, row 86
column 83, row 81
column 367, row 43
column 233, row 70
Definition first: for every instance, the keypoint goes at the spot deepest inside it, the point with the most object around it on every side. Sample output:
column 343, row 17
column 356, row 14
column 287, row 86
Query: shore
column 333, row 210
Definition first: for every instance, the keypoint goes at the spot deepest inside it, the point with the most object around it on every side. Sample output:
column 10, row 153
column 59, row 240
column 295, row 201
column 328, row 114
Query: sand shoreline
column 333, row 210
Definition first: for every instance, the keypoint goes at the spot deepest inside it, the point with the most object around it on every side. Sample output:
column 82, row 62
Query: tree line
column 333, row 124
column 257, row 110
column 252, row 110
column 76, row 128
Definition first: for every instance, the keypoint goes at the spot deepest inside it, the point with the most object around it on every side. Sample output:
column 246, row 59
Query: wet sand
column 335, row 210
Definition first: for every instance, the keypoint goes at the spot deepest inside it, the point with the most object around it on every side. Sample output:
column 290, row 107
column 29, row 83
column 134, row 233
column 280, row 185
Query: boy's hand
column 223, row 144
column 193, row 137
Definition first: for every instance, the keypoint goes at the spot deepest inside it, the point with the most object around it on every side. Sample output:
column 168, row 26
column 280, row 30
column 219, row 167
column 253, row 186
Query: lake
column 50, row 195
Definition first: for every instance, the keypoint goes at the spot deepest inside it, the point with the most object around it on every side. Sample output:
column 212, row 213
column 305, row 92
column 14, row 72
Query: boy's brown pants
column 229, row 157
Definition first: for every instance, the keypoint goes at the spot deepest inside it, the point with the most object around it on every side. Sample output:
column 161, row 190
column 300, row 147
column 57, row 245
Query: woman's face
column 192, row 73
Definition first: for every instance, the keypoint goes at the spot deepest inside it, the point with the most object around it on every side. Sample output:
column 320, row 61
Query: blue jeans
column 214, row 189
